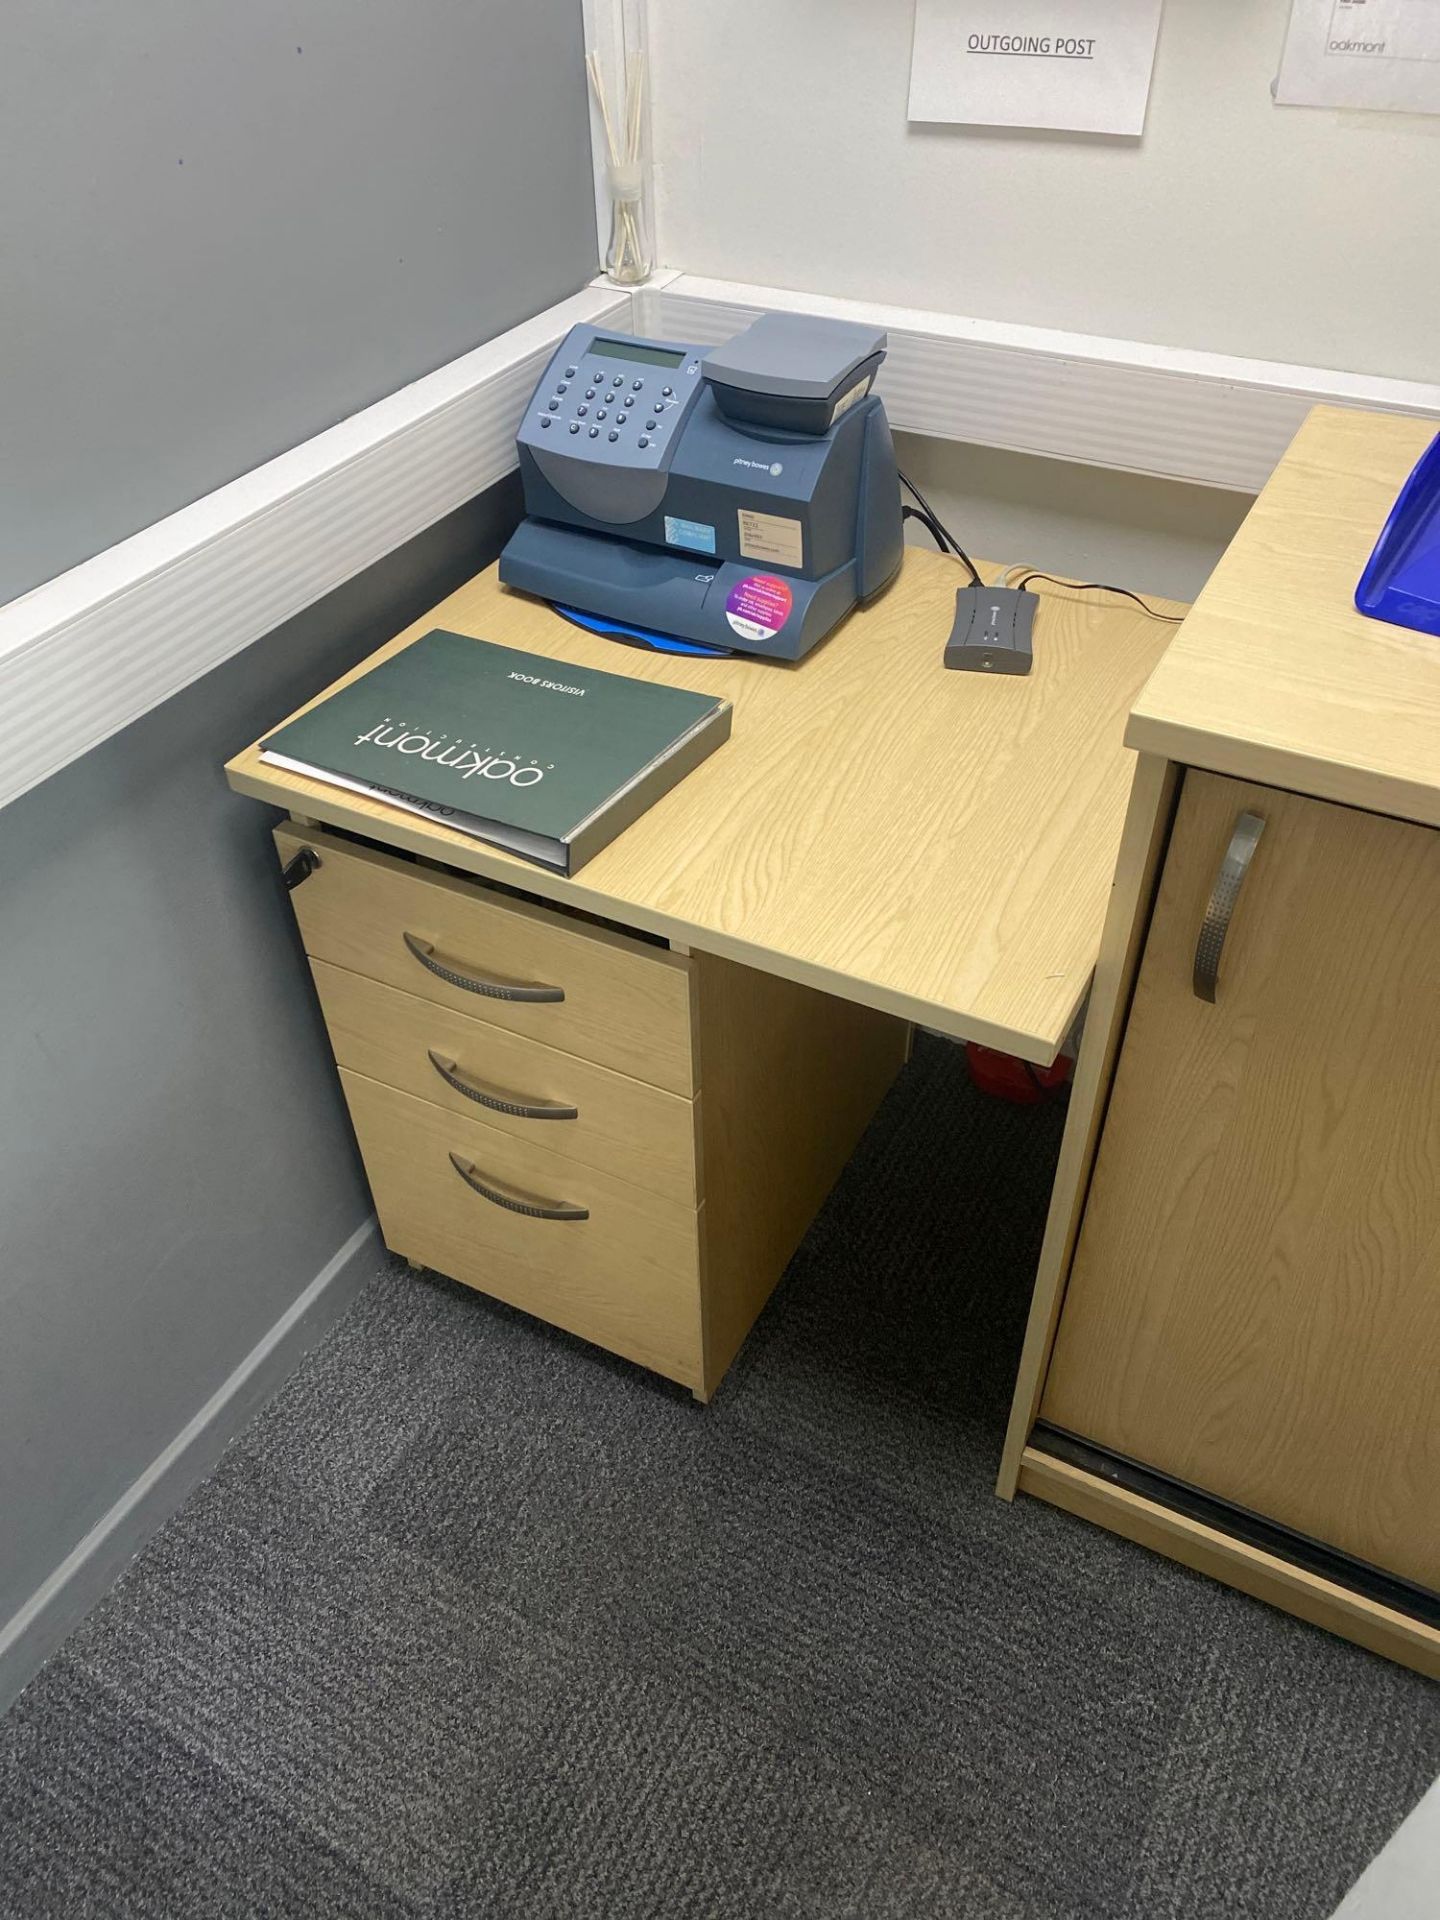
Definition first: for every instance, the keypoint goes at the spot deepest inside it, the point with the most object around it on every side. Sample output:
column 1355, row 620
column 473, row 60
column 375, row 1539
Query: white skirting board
column 61, row 1602
column 94, row 649
column 1400, row 1882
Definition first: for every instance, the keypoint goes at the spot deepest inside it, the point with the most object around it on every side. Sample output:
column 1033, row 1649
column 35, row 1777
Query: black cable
column 914, row 513
column 1097, row 586
column 936, row 532
column 941, row 533
column 944, row 539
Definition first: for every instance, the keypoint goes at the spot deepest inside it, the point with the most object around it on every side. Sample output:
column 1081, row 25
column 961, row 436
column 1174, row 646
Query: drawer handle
column 536, row 1209
column 1223, row 897
column 424, row 952
column 497, row 1103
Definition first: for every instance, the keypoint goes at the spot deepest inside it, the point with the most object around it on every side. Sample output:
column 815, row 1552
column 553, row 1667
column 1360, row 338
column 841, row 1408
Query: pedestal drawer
column 550, row 976
column 552, row 1100
column 561, row 1240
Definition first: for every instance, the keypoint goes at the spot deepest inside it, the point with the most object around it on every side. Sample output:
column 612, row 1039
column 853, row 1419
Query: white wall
column 1276, row 232
column 1150, row 535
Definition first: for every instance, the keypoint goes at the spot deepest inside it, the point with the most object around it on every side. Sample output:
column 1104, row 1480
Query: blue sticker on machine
column 693, row 534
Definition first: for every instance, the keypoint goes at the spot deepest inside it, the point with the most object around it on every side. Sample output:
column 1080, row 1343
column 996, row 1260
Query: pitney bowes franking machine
column 742, row 497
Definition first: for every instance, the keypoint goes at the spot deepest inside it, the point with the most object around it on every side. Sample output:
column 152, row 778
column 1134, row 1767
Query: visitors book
column 545, row 759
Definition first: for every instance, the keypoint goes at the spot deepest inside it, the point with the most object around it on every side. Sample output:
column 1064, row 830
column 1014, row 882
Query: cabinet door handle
column 298, row 869
column 516, row 1203
column 424, row 952
column 497, row 1103
column 1223, row 896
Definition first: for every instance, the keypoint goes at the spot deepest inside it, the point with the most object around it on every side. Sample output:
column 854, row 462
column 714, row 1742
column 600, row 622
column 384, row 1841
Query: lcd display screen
column 636, row 350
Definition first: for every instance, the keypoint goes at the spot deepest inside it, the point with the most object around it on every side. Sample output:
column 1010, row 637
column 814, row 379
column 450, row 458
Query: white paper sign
column 1082, row 66
column 1362, row 53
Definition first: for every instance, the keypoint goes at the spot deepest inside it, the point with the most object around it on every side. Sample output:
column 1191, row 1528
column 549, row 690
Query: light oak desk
column 1234, row 1349
column 880, row 842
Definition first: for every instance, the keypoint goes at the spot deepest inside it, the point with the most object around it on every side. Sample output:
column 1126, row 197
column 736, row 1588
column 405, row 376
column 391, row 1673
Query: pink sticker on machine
column 758, row 606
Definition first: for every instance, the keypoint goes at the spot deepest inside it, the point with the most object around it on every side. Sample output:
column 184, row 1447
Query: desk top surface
column 1274, row 676
column 936, row 844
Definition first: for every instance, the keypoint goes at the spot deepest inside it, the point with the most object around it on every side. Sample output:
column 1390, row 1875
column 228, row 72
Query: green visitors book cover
column 545, row 759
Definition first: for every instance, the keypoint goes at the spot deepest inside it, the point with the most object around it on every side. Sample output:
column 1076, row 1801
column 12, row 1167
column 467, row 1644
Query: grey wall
column 226, row 224
column 175, row 1162
column 223, row 227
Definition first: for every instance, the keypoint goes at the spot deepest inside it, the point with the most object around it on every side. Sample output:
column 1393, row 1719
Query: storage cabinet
column 1253, row 1308
column 1233, row 1351
column 621, row 1139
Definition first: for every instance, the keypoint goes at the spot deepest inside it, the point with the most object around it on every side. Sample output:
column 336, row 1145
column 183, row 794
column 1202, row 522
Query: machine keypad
column 601, row 395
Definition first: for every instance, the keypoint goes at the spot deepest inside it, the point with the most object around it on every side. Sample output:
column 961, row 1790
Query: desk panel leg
column 1142, row 846
column 789, row 1079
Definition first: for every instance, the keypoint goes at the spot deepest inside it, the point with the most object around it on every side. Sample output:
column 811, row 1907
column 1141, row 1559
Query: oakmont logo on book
column 464, row 759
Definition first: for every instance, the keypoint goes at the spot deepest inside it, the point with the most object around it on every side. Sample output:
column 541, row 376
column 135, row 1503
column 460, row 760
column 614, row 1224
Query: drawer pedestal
column 623, row 1140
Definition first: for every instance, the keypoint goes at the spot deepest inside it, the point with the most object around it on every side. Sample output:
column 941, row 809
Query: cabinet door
column 1254, row 1306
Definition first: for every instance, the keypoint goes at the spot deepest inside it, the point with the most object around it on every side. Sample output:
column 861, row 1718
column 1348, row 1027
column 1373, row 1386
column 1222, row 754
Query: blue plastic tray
column 1401, row 581
column 640, row 636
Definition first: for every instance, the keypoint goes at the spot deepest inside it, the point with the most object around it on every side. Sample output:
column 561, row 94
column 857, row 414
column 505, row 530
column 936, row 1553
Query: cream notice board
column 1362, row 53
column 1083, row 67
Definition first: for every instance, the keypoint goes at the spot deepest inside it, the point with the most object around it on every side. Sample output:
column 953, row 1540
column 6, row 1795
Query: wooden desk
column 881, row 841
column 1234, row 1348
column 936, row 845
column 1247, row 1207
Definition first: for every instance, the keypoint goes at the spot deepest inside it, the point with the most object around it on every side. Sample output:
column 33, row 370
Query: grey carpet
column 474, row 1620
